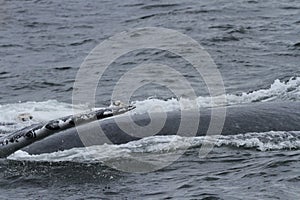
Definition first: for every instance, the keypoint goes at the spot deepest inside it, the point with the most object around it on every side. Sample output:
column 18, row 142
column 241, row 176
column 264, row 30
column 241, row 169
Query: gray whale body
column 240, row 119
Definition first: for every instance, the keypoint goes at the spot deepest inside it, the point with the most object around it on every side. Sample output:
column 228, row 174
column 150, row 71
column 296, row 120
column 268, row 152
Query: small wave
column 81, row 42
column 62, row 68
column 168, row 145
column 227, row 38
column 199, row 11
column 290, row 7
column 231, row 29
column 2, row 73
column 83, row 26
column 37, row 24
column 223, row 26
column 133, row 5
column 156, row 6
column 146, row 17
column 10, row 45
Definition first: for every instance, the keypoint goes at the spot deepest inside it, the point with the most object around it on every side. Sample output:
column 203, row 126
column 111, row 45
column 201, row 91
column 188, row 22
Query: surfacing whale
column 256, row 117
column 240, row 119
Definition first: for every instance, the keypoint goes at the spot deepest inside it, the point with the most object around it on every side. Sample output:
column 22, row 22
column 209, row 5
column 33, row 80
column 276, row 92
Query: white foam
column 278, row 91
column 41, row 111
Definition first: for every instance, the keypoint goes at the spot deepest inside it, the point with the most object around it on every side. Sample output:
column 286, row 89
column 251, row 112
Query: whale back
column 240, row 119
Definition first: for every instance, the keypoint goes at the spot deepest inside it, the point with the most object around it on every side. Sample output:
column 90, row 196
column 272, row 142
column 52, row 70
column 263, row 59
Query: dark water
column 44, row 42
column 227, row 173
column 253, row 43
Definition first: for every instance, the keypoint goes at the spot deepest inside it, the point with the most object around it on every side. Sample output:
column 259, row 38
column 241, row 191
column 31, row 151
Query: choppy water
column 255, row 45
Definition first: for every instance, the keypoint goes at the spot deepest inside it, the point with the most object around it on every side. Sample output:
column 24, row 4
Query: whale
column 239, row 119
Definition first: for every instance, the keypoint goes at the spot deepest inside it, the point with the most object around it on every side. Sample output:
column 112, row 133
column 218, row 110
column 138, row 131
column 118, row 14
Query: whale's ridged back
column 256, row 117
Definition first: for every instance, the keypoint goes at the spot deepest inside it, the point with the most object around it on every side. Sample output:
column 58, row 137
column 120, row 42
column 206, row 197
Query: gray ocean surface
column 255, row 44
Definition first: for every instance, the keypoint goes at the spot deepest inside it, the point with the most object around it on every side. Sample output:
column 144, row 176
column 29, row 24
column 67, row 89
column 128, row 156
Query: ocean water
column 255, row 45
